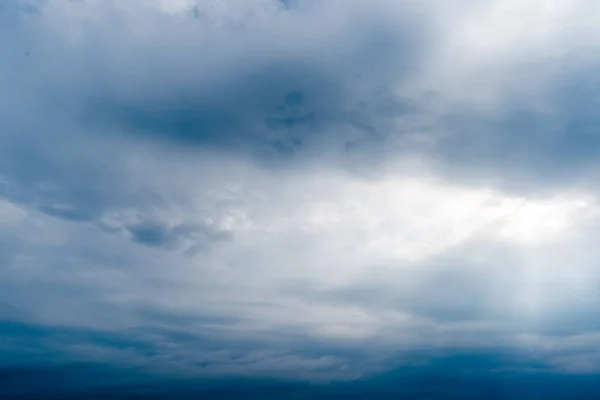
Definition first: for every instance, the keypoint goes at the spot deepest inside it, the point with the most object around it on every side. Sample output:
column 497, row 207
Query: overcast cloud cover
column 301, row 198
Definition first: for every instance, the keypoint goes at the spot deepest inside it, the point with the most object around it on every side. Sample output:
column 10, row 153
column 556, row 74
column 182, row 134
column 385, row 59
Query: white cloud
column 326, row 231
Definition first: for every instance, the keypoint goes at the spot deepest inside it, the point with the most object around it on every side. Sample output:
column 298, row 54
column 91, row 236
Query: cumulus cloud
column 298, row 189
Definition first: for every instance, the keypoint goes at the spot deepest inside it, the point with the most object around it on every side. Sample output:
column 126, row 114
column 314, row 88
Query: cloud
column 298, row 190
column 315, row 258
column 155, row 234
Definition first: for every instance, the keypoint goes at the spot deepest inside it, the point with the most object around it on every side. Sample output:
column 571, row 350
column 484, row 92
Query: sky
column 299, row 199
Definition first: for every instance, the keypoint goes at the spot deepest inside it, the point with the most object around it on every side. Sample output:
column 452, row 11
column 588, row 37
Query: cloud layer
column 303, row 190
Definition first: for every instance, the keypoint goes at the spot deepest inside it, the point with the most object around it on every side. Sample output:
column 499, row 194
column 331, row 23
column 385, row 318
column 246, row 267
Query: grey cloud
column 190, row 134
column 150, row 234
column 153, row 233
column 242, row 91
column 66, row 213
column 185, row 95
column 470, row 373
column 234, row 98
column 166, row 354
